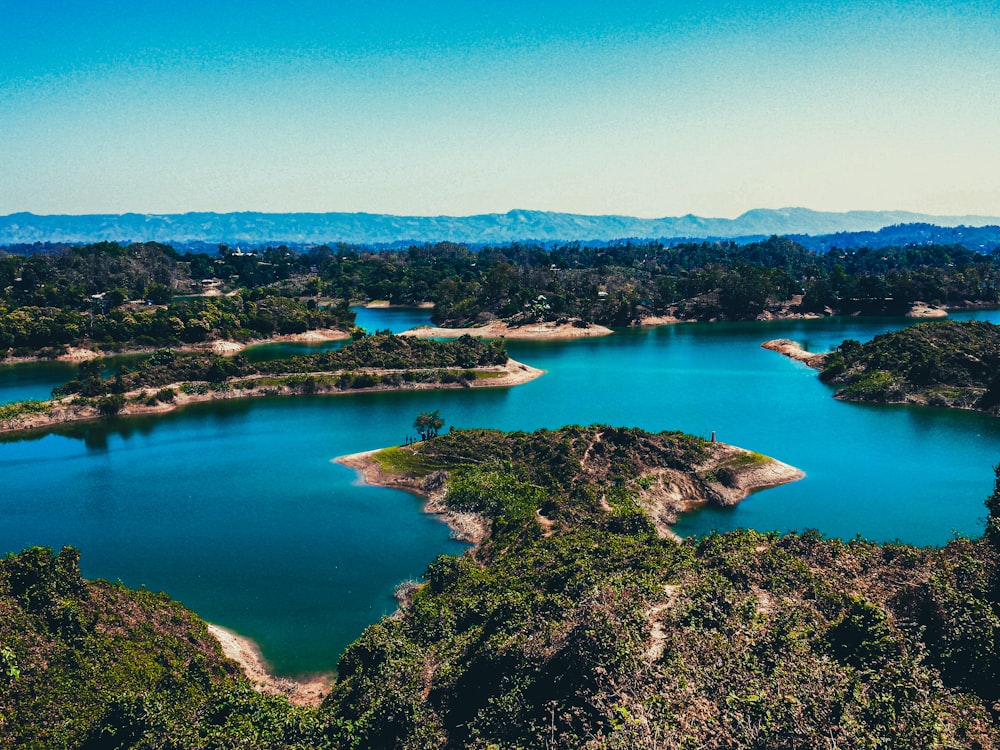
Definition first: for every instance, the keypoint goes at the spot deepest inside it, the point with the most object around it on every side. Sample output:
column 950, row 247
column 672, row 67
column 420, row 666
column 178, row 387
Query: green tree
column 109, row 406
column 428, row 424
column 993, row 519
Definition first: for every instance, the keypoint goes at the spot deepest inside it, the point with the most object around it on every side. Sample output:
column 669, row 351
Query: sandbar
column 794, row 350
column 382, row 304
column 923, row 310
column 498, row 329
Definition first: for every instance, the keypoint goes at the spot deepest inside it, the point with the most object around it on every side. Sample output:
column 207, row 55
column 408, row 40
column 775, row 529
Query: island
column 947, row 363
column 168, row 379
column 574, row 622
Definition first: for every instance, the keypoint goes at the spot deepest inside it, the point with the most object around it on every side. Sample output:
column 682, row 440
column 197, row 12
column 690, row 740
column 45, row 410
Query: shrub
column 108, row 406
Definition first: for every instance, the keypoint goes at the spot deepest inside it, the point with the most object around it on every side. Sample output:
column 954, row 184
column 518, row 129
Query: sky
column 645, row 109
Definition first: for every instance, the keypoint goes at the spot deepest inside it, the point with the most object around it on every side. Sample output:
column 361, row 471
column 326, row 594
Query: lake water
column 237, row 510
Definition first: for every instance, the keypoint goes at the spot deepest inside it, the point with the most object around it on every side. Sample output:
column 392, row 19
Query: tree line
column 90, row 293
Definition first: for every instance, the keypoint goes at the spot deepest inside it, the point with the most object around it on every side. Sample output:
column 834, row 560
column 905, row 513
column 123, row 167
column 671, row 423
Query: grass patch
column 874, row 386
column 10, row 412
column 405, row 461
column 747, row 460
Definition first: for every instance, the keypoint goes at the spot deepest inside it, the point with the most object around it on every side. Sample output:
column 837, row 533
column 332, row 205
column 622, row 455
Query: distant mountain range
column 383, row 229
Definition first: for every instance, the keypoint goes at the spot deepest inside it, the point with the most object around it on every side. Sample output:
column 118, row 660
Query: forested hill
column 111, row 296
column 574, row 625
column 981, row 239
column 939, row 364
column 518, row 225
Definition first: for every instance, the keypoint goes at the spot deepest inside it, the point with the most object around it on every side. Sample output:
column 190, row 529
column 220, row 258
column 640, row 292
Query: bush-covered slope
column 95, row 665
column 940, row 364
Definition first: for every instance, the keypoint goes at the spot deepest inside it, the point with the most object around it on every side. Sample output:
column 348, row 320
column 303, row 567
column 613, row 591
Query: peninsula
column 670, row 473
column 794, row 350
column 947, row 363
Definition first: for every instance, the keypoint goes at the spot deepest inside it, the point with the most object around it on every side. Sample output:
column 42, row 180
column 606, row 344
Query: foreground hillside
column 92, row 664
column 938, row 364
column 576, row 625
column 573, row 623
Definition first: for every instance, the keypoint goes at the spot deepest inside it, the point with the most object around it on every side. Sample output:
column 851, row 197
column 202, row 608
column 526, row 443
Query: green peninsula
column 937, row 364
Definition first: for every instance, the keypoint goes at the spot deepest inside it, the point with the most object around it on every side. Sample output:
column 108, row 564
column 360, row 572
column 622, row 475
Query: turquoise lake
column 237, row 509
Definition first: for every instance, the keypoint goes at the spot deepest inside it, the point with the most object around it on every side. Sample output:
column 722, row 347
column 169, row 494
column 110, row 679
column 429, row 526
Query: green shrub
column 109, row 406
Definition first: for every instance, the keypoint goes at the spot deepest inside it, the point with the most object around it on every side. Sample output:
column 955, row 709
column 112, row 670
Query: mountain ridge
column 514, row 225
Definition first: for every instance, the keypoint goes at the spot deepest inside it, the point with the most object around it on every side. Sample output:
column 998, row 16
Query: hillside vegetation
column 91, row 664
column 938, row 364
column 574, row 624
column 109, row 297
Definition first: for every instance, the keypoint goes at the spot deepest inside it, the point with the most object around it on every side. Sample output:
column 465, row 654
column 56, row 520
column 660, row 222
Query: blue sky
column 639, row 108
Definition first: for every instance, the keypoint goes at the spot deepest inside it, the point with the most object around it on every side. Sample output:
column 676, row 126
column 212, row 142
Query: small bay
column 236, row 509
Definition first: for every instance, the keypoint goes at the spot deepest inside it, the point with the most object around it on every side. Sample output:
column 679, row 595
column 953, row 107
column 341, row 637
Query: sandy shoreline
column 498, row 329
column 465, row 527
column 384, row 304
column 923, row 310
column 64, row 411
column 651, row 321
column 307, row 690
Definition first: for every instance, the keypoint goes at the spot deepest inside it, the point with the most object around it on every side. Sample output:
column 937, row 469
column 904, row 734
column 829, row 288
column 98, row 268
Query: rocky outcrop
column 794, row 350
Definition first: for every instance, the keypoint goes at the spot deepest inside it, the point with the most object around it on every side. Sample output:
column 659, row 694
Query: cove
column 236, row 509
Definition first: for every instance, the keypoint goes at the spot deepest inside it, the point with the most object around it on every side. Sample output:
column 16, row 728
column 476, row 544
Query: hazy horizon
column 639, row 109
